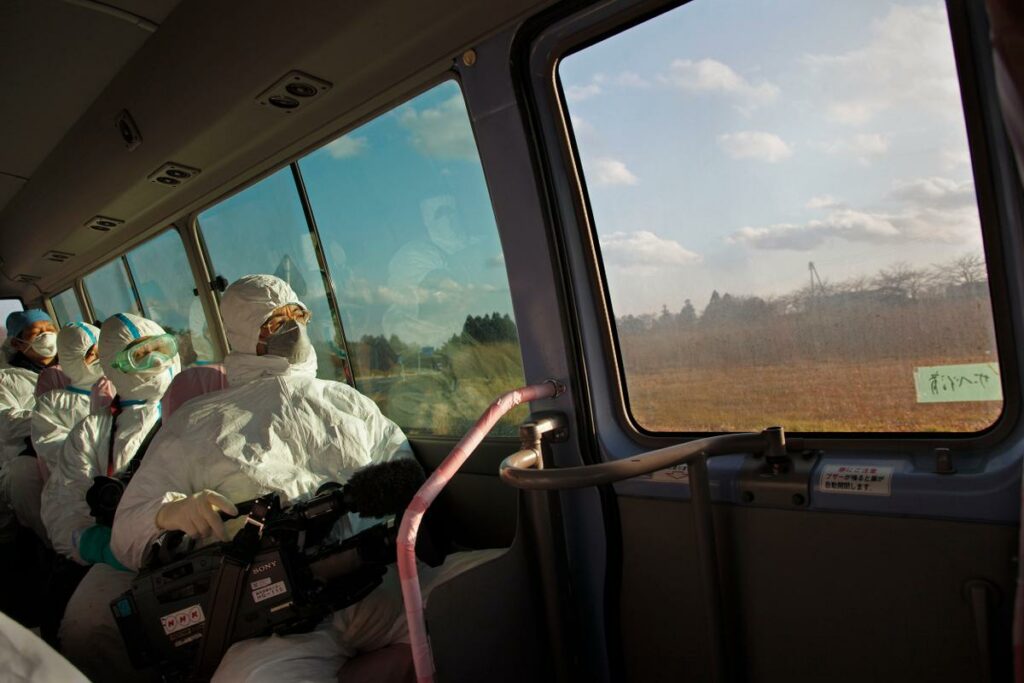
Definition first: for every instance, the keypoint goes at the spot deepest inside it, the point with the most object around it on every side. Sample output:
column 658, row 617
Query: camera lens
column 177, row 173
column 167, row 181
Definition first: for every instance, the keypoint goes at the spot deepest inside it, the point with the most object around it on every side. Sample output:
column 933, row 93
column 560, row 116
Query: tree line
column 941, row 314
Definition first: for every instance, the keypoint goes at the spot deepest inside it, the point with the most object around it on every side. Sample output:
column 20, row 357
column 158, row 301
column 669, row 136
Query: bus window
column 411, row 242
column 163, row 279
column 110, row 291
column 263, row 230
column 8, row 306
column 65, row 305
column 788, row 208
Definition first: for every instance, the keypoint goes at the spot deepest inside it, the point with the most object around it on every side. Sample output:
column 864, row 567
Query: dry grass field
column 876, row 396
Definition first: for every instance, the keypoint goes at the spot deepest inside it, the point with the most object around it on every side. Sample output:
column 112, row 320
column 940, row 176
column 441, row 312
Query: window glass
column 110, row 291
column 785, row 206
column 65, row 305
column 410, row 240
column 8, row 306
column 164, row 281
column 263, row 230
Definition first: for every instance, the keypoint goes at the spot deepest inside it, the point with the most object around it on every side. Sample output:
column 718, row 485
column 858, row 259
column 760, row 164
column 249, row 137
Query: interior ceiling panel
column 192, row 94
column 55, row 58
column 9, row 186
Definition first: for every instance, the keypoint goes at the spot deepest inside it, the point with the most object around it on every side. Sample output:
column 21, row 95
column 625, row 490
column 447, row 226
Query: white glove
column 196, row 515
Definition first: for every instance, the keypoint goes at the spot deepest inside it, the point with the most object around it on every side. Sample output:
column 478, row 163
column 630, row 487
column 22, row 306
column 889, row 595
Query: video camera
column 281, row 573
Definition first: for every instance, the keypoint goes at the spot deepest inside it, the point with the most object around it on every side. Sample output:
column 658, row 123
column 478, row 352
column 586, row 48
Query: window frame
column 563, row 31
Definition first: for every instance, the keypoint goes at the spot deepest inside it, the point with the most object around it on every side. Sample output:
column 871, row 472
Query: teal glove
column 94, row 547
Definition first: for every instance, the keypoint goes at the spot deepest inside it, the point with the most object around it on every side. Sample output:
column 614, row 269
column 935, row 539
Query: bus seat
column 192, row 382
column 49, row 379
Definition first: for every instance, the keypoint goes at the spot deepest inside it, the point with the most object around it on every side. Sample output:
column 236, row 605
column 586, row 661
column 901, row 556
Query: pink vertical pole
column 422, row 657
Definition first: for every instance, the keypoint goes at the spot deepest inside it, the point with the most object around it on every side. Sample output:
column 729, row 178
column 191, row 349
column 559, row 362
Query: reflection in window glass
column 263, row 230
column 65, row 305
column 163, row 279
column 110, row 291
column 785, row 206
column 8, row 306
column 412, row 246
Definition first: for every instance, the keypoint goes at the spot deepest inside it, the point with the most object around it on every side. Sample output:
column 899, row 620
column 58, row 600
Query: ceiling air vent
column 25, row 277
column 293, row 91
column 173, row 175
column 57, row 256
column 103, row 223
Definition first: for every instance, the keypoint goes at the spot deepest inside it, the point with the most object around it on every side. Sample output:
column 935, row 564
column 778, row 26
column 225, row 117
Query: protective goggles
column 147, row 354
column 284, row 314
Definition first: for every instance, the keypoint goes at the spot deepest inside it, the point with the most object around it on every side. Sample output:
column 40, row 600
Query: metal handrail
column 521, row 470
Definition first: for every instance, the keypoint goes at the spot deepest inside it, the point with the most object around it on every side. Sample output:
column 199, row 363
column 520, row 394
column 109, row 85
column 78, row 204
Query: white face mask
column 143, row 387
column 45, row 344
column 91, row 372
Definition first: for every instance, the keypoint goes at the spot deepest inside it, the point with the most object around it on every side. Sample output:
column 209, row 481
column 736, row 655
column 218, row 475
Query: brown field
column 801, row 396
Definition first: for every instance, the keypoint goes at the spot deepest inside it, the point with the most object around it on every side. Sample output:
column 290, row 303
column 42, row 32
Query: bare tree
column 902, row 281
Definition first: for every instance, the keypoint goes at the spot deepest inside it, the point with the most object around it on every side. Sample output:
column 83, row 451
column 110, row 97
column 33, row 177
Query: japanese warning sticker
column 677, row 474
column 859, row 480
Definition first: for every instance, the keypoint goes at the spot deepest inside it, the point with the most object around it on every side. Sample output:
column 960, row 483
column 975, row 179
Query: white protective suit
column 20, row 479
column 88, row 634
column 24, row 657
column 58, row 411
column 276, row 428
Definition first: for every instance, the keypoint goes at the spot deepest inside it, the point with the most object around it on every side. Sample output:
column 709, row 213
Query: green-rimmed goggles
column 147, row 354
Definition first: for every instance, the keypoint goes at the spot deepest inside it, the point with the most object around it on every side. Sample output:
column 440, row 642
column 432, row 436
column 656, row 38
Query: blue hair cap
column 19, row 320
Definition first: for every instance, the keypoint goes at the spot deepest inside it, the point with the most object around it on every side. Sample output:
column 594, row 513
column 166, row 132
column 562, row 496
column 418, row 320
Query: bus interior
column 702, row 220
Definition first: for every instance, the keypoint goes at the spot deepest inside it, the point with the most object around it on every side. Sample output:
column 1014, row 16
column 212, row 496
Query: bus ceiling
column 93, row 134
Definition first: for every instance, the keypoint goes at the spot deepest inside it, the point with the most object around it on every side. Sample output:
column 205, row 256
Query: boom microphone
column 384, row 489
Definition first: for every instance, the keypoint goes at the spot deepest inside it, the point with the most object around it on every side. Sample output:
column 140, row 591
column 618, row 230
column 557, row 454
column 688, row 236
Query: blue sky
column 404, row 217
column 726, row 144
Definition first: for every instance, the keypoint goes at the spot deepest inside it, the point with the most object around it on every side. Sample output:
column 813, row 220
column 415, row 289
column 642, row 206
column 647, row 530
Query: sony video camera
column 281, row 573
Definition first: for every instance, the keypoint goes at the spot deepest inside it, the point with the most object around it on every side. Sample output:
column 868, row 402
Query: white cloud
column 606, row 171
column 751, row 144
column 578, row 93
column 631, row 79
column 864, row 147
column 935, row 193
column 443, row 131
column 347, row 146
column 907, row 59
column 710, row 75
column 644, row 249
column 929, row 210
column 825, row 201
column 953, row 159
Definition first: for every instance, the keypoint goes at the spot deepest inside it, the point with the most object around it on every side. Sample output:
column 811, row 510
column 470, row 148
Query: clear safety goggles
column 147, row 354
column 284, row 314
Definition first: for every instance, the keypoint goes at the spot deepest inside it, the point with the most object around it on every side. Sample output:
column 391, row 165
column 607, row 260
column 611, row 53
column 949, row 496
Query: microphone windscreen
column 385, row 489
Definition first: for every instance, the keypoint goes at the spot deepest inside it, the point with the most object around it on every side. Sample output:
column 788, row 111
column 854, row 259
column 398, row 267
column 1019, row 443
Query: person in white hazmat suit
column 32, row 345
column 140, row 359
column 58, row 411
column 276, row 428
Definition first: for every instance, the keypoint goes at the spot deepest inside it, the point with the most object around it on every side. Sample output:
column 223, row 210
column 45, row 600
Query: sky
column 727, row 144
column 404, row 218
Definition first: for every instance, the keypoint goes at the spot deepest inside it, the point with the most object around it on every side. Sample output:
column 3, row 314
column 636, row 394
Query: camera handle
column 227, row 587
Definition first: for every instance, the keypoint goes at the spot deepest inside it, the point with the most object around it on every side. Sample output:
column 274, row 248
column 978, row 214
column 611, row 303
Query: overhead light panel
column 173, row 174
column 57, row 256
column 103, row 223
column 293, row 91
column 25, row 277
